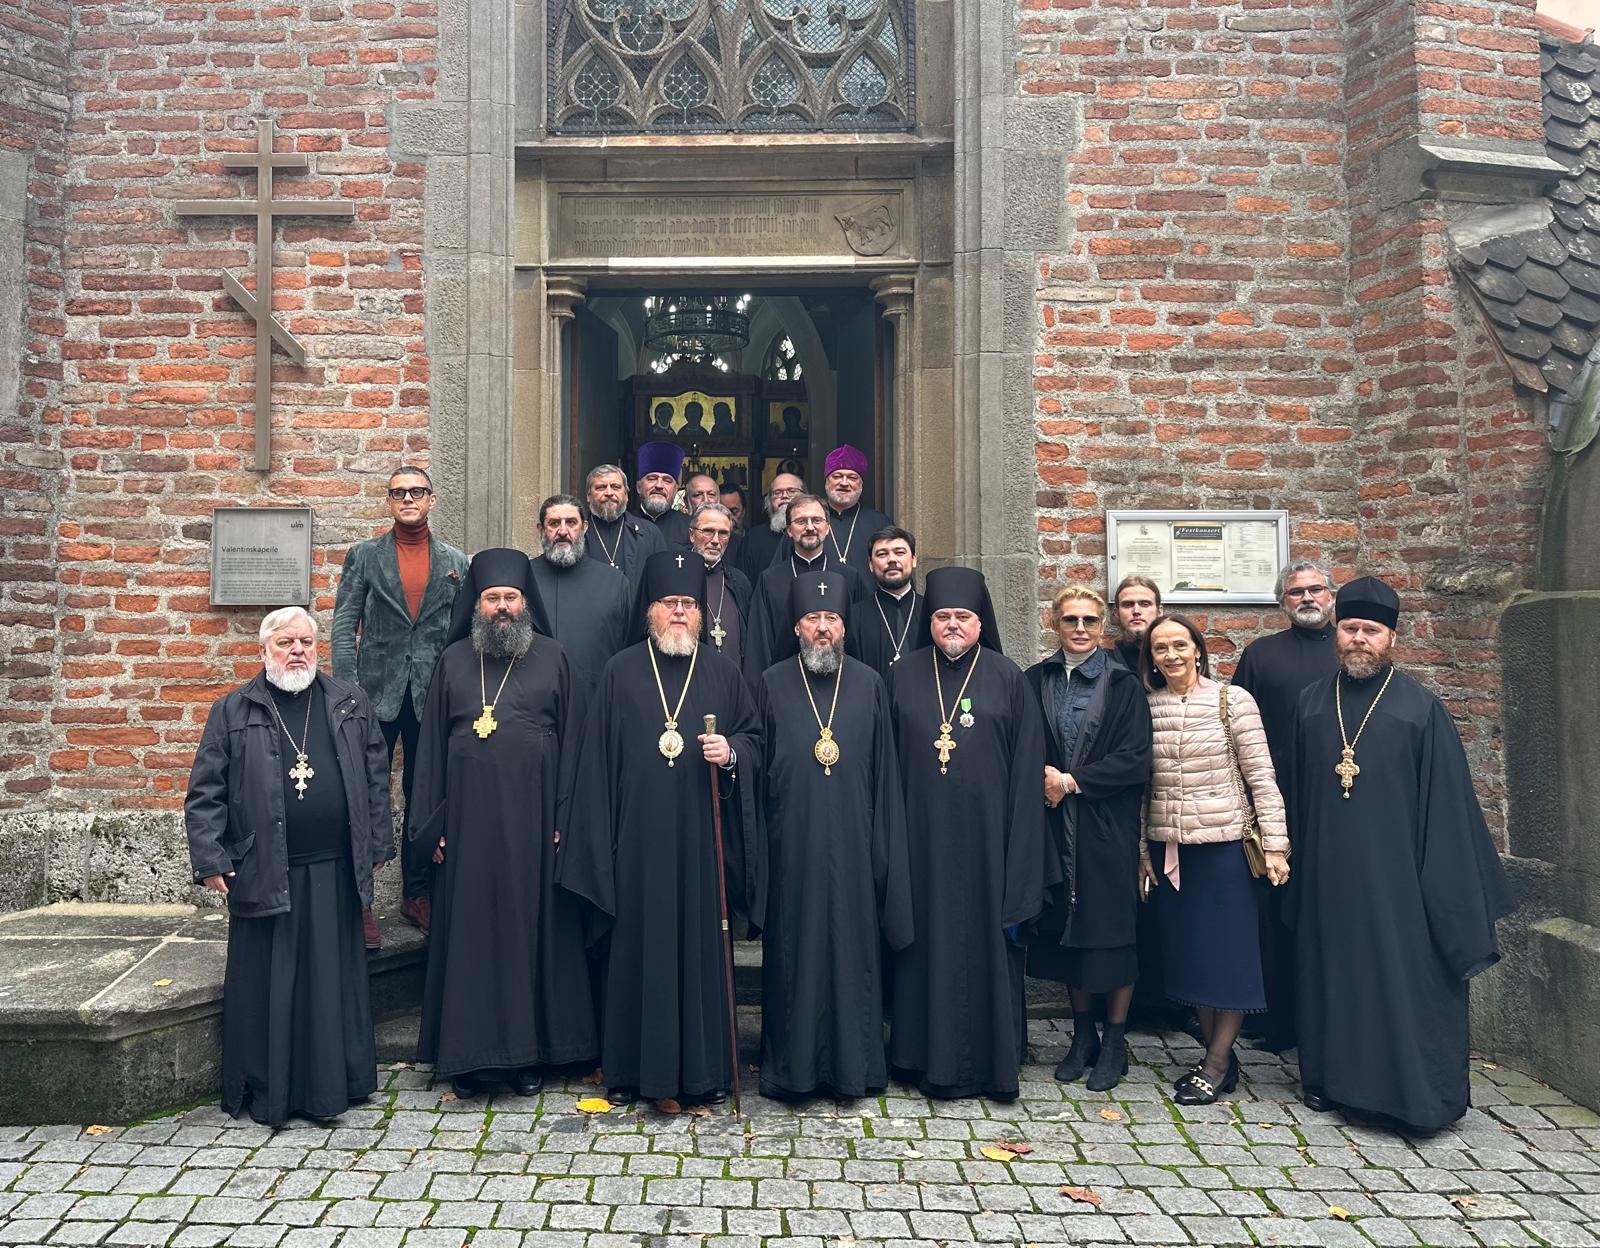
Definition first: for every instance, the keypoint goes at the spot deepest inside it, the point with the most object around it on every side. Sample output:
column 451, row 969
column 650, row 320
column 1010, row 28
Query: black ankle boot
column 1113, row 1061
column 1084, row 1051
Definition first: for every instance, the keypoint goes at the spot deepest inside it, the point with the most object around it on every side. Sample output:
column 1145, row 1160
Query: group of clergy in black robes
column 881, row 825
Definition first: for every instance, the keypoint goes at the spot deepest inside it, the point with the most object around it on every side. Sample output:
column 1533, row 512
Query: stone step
column 114, row 1012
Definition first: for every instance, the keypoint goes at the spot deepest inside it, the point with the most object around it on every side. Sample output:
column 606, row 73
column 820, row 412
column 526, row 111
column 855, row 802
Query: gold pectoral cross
column 1347, row 770
column 485, row 723
column 300, row 773
column 944, row 745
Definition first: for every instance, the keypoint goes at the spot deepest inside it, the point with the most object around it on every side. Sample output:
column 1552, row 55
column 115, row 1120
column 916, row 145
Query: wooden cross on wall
column 258, row 305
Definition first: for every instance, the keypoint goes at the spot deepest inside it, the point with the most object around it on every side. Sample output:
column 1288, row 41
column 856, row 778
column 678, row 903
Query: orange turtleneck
column 411, row 548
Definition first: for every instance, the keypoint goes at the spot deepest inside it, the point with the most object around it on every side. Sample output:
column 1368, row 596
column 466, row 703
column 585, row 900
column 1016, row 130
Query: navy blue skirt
column 1210, row 929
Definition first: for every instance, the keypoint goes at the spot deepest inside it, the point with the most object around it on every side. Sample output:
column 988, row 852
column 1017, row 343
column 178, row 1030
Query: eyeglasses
column 416, row 493
column 675, row 605
column 1073, row 621
column 806, row 522
column 705, row 532
column 1305, row 591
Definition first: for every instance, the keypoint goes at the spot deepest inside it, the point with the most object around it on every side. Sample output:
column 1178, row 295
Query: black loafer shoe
column 1315, row 1101
column 713, row 1098
column 464, row 1086
column 527, row 1083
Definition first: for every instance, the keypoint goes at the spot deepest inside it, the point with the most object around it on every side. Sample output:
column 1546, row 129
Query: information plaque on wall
column 261, row 557
column 1200, row 556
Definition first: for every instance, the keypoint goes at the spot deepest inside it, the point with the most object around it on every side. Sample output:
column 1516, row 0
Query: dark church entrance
column 751, row 382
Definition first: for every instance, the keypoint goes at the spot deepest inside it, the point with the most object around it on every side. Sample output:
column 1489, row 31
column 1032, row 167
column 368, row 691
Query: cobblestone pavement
column 417, row 1169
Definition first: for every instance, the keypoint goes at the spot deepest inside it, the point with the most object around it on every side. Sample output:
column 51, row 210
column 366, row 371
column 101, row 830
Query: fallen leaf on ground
column 1464, row 1202
column 1340, row 1212
column 700, row 1111
column 911, row 1152
column 594, row 1105
column 1083, row 1195
column 593, row 1080
column 995, row 1154
column 1014, row 1146
column 97, row 1129
column 449, row 1096
column 1111, row 1115
column 668, row 1106
column 162, row 983
column 1490, row 1066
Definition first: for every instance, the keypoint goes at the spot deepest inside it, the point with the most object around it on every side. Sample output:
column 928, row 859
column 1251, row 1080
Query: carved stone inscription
column 601, row 226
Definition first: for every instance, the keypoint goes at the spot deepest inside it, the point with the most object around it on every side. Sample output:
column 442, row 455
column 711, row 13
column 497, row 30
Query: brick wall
column 155, row 426
column 35, row 36
column 1238, row 323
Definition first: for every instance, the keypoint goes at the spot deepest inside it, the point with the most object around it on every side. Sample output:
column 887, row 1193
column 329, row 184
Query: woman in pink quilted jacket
column 1191, row 856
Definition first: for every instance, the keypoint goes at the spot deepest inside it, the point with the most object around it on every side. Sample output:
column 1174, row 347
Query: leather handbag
column 1255, row 854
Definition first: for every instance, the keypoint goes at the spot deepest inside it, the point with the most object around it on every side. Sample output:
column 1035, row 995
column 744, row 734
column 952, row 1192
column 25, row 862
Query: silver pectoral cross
column 300, row 773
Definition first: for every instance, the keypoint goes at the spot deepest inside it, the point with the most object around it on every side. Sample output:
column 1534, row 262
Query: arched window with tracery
column 783, row 361
column 756, row 66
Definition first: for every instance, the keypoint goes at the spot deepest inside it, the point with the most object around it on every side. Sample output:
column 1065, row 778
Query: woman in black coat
column 1097, row 767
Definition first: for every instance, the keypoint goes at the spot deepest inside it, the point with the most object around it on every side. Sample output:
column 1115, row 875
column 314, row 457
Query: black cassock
column 770, row 634
column 1394, row 894
column 978, row 868
column 507, row 985
column 880, row 623
column 590, row 610
column 638, row 849
column 838, row 886
column 1275, row 670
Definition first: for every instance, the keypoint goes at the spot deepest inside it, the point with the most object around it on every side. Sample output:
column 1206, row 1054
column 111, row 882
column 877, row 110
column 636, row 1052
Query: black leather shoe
column 1196, row 1089
column 715, row 1097
column 1315, row 1101
column 464, row 1086
column 527, row 1083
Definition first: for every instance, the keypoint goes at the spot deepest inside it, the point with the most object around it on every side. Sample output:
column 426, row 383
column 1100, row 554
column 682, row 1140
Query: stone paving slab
column 416, row 1168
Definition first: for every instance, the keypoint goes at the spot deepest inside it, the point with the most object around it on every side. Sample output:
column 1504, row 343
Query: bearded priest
column 638, row 847
column 1396, row 884
column 507, row 989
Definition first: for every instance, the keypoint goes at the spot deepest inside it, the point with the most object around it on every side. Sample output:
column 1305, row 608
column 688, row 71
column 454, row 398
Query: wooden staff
column 722, row 907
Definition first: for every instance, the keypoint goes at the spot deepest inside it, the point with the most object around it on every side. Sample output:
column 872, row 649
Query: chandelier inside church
column 696, row 326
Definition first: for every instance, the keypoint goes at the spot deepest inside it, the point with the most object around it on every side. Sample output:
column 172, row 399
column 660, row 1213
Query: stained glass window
column 642, row 66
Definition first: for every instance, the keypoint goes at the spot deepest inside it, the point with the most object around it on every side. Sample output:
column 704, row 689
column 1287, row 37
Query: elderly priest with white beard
column 287, row 814
column 638, row 847
column 507, row 989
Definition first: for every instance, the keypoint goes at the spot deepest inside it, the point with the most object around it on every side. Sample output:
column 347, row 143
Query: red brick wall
column 1236, row 323
column 35, row 36
column 156, row 417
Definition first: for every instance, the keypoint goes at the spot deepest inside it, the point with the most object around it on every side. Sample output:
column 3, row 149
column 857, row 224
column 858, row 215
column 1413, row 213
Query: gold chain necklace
column 826, row 750
column 670, row 742
column 486, row 723
column 1347, row 770
column 302, row 770
column 946, row 742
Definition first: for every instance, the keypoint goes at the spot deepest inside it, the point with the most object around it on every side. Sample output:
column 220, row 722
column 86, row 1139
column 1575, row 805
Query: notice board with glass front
column 1200, row 556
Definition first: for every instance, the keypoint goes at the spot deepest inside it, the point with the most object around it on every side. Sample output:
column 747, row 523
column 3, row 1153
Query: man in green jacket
column 390, row 620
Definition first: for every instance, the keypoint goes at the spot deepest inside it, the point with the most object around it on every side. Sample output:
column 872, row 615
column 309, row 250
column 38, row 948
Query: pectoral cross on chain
column 485, row 723
column 718, row 633
column 1347, row 770
column 944, row 745
column 300, row 773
